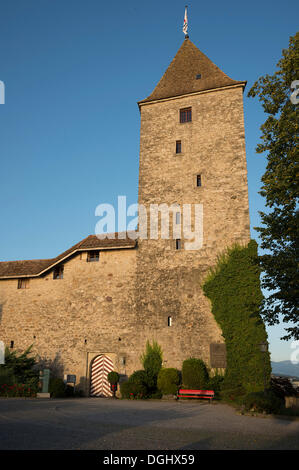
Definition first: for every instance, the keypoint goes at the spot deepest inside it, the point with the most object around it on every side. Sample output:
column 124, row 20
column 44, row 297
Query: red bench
column 182, row 393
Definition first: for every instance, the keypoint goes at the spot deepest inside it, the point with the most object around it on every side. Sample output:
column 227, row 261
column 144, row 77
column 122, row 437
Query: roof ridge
column 28, row 268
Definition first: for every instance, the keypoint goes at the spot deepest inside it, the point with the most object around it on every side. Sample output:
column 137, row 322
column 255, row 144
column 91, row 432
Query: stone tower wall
column 169, row 280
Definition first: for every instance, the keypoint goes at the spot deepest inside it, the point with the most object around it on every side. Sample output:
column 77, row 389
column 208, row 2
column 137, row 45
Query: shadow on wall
column 1, row 310
column 55, row 365
column 83, row 386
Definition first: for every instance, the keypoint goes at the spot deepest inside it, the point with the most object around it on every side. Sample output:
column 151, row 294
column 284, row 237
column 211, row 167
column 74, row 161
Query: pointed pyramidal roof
column 190, row 71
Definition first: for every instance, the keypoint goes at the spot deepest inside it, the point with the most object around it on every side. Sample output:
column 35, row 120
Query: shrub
column 168, row 381
column 216, row 383
column 16, row 390
column 155, row 395
column 139, row 377
column 194, row 374
column 7, row 376
column 266, row 402
column 113, row 377
column 282, row 387
column 152, row 363
column 233, row 394
column 133, row 390
column 57, row 388
column 69, row 391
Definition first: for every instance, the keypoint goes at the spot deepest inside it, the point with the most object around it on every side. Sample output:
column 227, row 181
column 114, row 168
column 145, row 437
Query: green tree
column 152, row 363
column 279, row 231
column 21, row 365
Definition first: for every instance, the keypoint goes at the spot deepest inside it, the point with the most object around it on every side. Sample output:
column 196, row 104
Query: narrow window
column 23, row 283
column 58, row 272
column 178, row 244
column 169, row 321
column 93, row 256
column 11, row 344
column 185, row 115
column 178, row 147
column 177, row 218
column 198, row 180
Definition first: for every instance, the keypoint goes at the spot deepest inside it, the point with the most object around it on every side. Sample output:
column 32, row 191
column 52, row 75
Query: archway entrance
column 99, row 385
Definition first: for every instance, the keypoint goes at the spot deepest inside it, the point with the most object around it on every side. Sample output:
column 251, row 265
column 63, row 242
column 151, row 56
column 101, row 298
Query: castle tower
column 192, row 151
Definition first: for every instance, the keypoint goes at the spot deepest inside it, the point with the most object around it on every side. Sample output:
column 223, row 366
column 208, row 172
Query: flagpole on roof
column 185, row 25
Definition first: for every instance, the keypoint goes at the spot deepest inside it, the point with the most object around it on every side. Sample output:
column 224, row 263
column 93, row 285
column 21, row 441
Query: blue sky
column 69, row 129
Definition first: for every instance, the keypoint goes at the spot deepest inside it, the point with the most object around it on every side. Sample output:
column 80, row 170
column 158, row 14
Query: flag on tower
column 185, row 25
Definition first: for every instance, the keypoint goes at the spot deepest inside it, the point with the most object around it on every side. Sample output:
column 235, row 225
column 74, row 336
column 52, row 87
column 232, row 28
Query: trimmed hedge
column 194, row 374
column 57, row 387
column 133, row 390
column 234, row 290
column 168, row 381
column 113, row 377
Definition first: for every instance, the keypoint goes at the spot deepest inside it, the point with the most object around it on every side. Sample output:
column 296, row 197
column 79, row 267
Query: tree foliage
column 152, row 363
column 20, row 365
column 279, row 231
column 234, row 290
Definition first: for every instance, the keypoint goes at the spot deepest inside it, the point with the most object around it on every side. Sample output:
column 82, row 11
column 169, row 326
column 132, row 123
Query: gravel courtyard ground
column 95, row 423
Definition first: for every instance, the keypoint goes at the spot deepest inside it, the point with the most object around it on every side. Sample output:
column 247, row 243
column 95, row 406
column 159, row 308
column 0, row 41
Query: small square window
column 178, row 147
column 198, row 180
column 198, row 76
column 93, row 256
column 23, row 283
column 178, row 244
column 58, row 272
column 185, row 115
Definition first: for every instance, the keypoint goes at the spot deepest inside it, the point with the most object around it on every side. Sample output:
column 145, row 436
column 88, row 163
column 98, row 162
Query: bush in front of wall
column 152, row 363
column 195, row 374
column 139, row 377
column 216, row 383
column 113, row 377
column 168, row 381
column 7, row 377
column 133, row 390
column 57, row 387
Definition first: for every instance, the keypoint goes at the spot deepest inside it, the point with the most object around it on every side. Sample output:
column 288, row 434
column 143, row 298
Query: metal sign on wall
column 71, row 379
column 218, row 355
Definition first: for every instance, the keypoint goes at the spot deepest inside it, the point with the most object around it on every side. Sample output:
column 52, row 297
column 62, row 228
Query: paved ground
column 95, row 423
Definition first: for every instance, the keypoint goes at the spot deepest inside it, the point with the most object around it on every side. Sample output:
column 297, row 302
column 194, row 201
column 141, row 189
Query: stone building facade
column 106, row 298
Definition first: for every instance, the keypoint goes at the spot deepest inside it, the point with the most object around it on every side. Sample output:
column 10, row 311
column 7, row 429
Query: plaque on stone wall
column 71, row 379
column 218, row 355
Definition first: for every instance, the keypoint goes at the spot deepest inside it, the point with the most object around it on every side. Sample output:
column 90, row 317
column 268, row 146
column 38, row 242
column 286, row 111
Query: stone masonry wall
column 94, row 302
column 169, row 280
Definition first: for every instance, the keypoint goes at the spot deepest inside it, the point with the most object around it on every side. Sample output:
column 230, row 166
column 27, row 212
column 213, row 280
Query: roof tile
column 36, row 266
column 181, row 76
